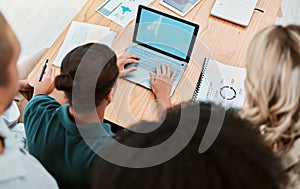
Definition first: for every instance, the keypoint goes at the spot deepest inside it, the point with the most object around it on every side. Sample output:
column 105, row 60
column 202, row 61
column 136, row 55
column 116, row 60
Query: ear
column 110, row 95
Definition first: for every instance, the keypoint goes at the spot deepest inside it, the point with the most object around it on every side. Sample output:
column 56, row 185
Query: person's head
column 238, row 158
column 272, row 84
column 88, row 74
column 9, row 53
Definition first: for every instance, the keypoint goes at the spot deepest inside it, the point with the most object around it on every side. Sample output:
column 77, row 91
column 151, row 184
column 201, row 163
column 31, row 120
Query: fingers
column 128, row 58
column 151, row 77
column 132, row 56
column 48, row 71
column 129, row 61
column 124, row 56
column 164, row 69
column 168, row 70
column 53, row 73
column 127, row 71
column 173, row 76
column 158, row 71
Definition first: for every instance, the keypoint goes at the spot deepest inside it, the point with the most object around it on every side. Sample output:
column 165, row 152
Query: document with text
column 82, row 33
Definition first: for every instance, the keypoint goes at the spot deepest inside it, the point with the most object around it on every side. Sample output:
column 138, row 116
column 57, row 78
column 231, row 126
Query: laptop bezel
column 192, row 43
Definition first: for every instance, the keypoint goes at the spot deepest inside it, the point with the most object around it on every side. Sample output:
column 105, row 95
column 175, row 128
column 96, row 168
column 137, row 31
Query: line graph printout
column 121, row 12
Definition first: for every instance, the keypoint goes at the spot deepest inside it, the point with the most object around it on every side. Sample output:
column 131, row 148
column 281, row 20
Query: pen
column 43, row 70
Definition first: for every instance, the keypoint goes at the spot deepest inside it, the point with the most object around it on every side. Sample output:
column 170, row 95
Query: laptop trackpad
column 140, row 77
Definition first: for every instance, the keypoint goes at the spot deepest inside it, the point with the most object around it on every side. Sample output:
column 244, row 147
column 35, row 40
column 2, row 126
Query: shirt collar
column 10, row 139
column 11, row 115
column 4, row 131
column 94, row 130
column 63, row 116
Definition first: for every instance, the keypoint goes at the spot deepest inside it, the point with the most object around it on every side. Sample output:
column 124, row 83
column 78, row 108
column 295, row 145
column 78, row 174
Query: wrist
column 38, row 92
column 162, row 97
column 165, row 99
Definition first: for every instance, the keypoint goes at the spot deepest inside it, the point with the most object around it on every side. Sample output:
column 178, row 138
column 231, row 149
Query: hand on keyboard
column 162, row 83
column 124, row 60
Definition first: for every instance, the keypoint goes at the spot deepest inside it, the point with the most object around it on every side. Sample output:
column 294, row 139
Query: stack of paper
column 83, row 33
column 121, row 12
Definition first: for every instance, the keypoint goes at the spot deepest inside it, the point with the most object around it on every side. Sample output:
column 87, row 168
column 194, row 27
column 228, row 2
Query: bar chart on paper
column 121, row 11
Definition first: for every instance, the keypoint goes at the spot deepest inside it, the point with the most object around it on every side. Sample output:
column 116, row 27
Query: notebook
column 160, row 38
column 221, row 84
column 237, row 11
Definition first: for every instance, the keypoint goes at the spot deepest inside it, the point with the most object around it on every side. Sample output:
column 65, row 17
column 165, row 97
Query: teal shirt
column 57, row 142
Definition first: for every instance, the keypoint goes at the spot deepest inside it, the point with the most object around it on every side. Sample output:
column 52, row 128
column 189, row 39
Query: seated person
column 273, row 93
column 18, row 169
column 237, row 159
column 54, row 132
column 13, row 116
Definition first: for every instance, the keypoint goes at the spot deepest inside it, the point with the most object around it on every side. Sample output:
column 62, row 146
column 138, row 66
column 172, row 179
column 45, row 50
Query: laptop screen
column 167, row 34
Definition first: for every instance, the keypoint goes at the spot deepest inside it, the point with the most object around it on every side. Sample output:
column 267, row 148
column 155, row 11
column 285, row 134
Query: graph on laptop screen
column 164, row 33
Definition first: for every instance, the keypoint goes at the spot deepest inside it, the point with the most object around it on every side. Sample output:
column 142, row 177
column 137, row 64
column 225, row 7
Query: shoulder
column 42, row 101
column 37, row 173
column 23, row 171
column 40, row 113
column 40, row 104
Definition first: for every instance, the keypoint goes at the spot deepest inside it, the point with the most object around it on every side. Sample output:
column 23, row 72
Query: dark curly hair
column 237, row 159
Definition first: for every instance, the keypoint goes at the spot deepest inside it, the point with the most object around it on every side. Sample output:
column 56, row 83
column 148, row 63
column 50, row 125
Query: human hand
column 46, row 85
column 24, row 86
column 162, row 84
column 126, row 59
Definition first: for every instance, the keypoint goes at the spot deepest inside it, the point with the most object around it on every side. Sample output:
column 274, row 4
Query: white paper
column 82, row 33
column 121, row 12
column 222, row 84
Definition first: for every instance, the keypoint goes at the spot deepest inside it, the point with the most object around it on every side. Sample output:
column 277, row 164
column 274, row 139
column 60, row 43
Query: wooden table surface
column 218, row 39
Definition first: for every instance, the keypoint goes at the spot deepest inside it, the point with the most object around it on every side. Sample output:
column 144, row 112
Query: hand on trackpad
column 131, row 65
column 124, row 63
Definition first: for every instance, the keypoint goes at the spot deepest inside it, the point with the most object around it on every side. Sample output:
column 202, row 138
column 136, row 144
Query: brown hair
column 87, row 70
column 272, row 85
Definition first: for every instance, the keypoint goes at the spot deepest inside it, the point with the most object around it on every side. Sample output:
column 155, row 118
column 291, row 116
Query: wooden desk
column 224, row 42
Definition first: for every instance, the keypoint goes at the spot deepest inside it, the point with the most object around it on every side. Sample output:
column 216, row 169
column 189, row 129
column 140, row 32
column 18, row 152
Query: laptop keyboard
column 147, row 58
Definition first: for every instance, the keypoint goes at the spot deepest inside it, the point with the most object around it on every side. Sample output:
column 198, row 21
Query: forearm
column 165, row 101
column 163, row 105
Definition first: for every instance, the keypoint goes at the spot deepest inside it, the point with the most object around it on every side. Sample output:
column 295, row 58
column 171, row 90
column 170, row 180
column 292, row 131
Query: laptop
column 236, row 11
column 158, row 39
